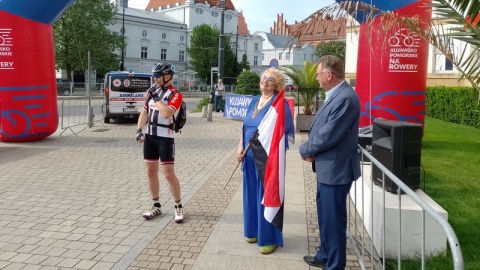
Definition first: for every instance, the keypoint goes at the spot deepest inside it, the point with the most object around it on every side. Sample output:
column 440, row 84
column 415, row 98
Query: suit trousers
column 332, row 222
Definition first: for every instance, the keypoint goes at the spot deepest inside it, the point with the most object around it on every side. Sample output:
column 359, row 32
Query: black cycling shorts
column 162, row 148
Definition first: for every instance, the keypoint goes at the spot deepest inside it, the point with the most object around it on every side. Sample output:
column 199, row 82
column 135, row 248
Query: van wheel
column 106, row 120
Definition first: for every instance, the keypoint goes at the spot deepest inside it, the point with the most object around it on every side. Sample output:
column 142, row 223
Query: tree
column 244, row 64
column 337, row 48
column 203, row 52
column 83, row 28
column 248, row 83
column 230, row 61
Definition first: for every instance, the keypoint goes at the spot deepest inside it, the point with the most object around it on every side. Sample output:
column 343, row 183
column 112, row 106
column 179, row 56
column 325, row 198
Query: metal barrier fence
column 80, row 111
column 369, row 208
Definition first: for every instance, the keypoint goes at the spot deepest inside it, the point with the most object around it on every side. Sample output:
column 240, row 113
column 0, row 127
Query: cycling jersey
column 154, row 116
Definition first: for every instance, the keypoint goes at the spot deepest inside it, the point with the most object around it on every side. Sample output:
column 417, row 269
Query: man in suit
column 332, row 149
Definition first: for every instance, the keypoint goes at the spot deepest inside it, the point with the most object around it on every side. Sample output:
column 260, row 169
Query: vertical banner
column 27, row 69
column 392, row 67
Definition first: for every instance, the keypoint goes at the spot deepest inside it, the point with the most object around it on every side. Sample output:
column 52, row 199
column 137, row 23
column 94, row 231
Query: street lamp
column 221, row 41
column 122, row 63
column 236, row 53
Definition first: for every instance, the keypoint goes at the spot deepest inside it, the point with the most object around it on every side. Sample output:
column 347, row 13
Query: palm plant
column 452, row 20
column 306, row 82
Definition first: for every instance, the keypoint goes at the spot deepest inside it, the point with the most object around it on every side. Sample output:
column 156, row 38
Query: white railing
column 369, row 207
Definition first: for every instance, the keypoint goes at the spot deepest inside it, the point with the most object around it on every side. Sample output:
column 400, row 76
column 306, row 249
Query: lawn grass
column 451, row 160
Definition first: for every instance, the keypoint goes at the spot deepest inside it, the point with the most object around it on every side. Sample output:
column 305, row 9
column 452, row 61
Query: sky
column 260, row 14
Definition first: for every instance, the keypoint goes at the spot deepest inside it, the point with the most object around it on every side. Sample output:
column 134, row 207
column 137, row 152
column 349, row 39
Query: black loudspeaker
column 398, row 146
column 365, row 141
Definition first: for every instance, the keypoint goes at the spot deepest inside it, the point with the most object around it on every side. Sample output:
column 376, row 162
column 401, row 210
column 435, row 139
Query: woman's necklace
column 263, row 101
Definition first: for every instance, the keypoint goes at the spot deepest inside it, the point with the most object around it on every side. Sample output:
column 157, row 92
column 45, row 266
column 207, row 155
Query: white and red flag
column 268, row 149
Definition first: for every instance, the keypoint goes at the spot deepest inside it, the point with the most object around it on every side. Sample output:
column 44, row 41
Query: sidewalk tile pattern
column 74, row 202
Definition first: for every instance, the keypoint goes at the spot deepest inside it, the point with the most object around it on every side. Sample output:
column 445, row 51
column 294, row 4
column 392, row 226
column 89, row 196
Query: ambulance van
column 124, row 94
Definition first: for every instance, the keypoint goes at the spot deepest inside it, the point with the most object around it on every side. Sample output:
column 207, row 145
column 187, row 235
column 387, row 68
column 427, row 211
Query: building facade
column 286, row 51
column 162, row 33
column 324, row 29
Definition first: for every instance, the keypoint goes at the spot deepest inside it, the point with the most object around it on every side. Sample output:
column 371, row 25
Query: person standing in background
column 219, row 90
column 332, row 148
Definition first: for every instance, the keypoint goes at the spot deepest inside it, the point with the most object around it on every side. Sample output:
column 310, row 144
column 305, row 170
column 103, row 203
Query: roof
column 161, row 3
column 242, row 25
column 139, row 74
column 278, row 41
column 148, row 15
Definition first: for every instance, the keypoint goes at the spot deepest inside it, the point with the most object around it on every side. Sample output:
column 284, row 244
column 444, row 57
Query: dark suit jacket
column 333, row 138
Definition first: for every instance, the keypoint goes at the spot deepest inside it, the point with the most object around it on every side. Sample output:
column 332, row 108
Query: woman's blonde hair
column 278, row 77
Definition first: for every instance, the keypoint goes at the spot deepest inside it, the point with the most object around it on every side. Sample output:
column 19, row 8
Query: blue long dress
column 255, row 225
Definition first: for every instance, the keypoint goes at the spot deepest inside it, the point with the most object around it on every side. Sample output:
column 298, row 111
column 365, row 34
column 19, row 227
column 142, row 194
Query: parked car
column 290, row 87
column 63, row 87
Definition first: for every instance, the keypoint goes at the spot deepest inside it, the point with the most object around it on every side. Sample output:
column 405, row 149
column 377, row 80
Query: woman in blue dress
column 256, row 228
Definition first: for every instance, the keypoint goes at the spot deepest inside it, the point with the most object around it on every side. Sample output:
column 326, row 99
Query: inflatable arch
column 28, row 95
column 392, row 67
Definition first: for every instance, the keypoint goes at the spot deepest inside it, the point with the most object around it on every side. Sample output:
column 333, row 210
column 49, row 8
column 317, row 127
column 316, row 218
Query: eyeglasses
column 325, row 71
column 265, row 78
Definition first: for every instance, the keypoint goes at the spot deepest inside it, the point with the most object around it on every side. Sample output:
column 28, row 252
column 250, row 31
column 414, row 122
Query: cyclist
column 162, row 101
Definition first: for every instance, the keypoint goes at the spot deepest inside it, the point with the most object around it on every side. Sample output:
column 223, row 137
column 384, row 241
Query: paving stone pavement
column 74, row 202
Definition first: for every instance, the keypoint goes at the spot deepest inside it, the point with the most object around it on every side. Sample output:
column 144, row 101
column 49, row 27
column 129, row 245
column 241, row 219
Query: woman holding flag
column 267, row 128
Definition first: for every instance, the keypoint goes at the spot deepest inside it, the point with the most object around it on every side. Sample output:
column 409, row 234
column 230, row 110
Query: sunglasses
column 157, row 75
column 265, row 78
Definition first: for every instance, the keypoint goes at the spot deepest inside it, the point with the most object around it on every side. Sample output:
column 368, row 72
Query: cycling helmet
column 163, row 68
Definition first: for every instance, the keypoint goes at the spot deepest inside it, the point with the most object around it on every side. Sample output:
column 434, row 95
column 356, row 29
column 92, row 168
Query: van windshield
column 128, row 84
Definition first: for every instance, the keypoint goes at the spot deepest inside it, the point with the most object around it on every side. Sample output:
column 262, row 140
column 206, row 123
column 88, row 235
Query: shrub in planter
column 307, row 84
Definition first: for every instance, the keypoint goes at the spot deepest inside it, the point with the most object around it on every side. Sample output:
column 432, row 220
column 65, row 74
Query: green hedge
column 453, row 104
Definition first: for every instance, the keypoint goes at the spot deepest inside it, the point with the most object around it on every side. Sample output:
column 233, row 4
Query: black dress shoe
column 313, row 261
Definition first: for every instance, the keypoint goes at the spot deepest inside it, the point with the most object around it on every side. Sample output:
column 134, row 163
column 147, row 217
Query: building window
column 144, row 33
column 163, row 54
column 181, row 56
column 181, row 38
column 234, row 45
column 334, row 33
column 287, row 56
column 214, row 14
column 229, row 17
column 263, row 56
column 442, row 62
column 255, row 60
column 256, row 46
column 280, row 56
column 308, row 34
column 320, row 34
column 164, row 36
column 199, row 11
column 143, row 52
